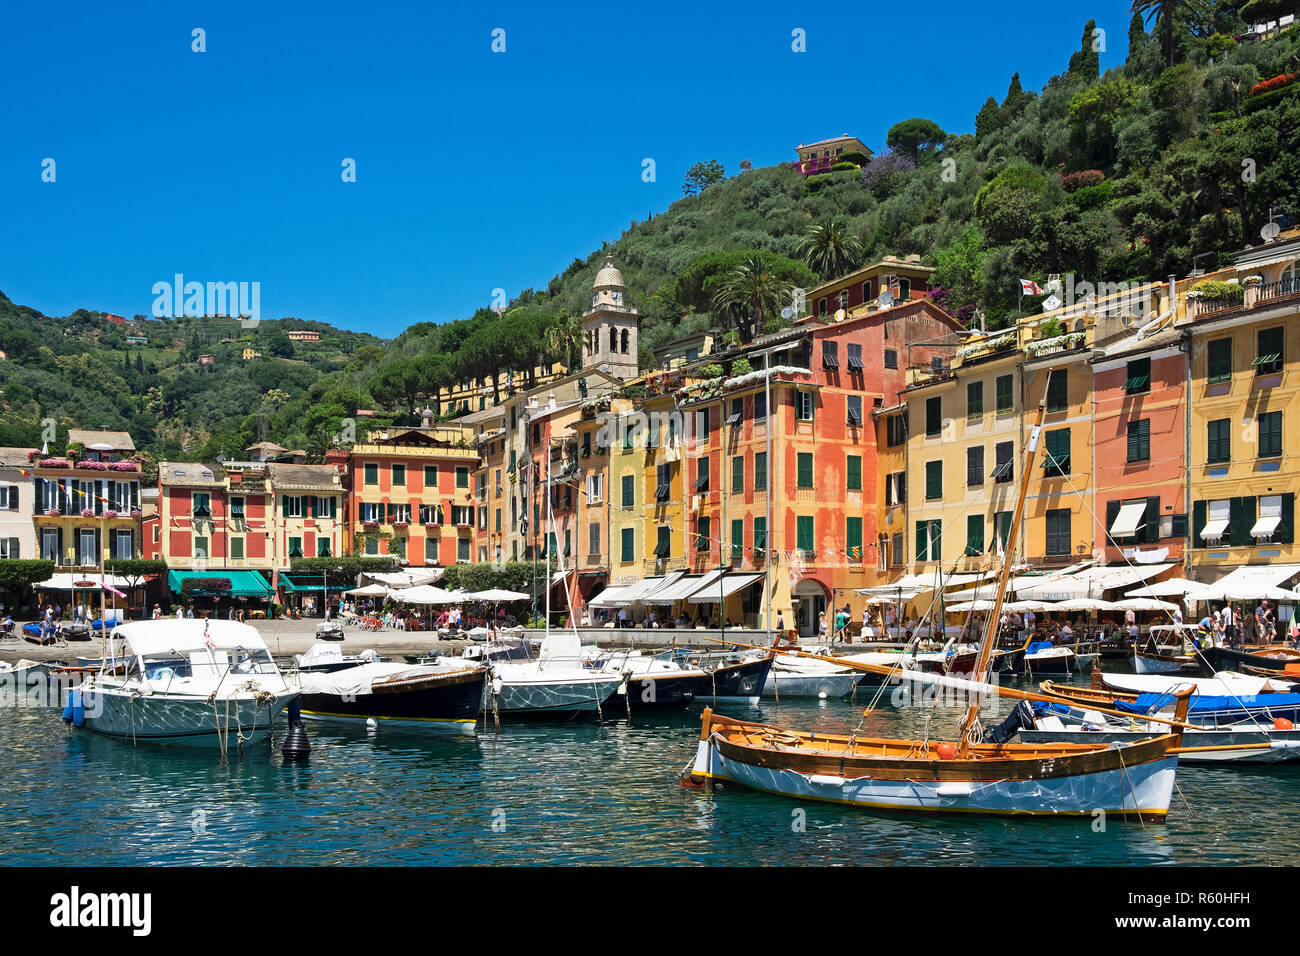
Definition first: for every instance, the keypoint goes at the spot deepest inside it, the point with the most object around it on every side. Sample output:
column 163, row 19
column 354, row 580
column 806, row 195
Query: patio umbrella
column 1167, row 588
column 977, row 605
column 1084, row 604
column 425, row 594
column 370, row 590
column 1021, row 606
column 1144, row 604
column 498, row 594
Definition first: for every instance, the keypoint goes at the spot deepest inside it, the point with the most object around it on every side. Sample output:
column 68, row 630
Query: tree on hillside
column 829, row 249
column 695, row 286
column 987, row 120
column 701, row 176
column 1085, row 64
column 277, row 344
column 1165, row 13
column 748, row 292
column 915, row 138
column 564, row 340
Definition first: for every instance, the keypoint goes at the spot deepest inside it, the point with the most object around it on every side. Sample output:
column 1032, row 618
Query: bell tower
column 611, row 327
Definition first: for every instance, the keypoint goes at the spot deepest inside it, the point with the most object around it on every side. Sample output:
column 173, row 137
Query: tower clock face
column 617, row 297
column 595, row 297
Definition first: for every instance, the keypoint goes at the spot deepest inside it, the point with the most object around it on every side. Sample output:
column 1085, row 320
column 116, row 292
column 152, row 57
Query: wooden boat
column 1262, row 658
column 444, row 698
column 1239, row 710
column 972, row 775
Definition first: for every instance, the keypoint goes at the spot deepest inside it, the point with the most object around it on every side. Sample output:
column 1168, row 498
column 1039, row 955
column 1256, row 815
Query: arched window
column 624, row 348
column 1289, row 280
column 613, row 339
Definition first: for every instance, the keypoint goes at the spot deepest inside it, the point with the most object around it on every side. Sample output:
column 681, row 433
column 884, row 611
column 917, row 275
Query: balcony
column 1254, row 295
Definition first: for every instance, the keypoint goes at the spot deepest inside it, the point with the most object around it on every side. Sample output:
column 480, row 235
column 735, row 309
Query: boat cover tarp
column 1257, row 704
column 352, row 681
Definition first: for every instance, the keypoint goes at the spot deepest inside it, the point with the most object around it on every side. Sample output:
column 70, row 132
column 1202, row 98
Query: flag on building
column 1030, row 287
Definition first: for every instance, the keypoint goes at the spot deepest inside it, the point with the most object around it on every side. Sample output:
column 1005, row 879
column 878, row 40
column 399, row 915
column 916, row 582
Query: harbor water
column 558, row 792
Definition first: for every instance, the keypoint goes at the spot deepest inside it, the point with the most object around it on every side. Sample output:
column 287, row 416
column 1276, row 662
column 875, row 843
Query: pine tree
column 1086, row 63
column 987, row 121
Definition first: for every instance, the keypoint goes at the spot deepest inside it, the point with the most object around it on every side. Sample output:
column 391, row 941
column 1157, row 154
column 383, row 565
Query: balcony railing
column 1253, row 296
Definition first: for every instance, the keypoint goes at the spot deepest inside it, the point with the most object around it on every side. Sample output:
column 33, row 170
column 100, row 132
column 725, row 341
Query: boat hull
column 735, row 683
column 810, row 685
column 1213, row 659
column 1276, row 747
column 1160, row 664
column 552, row 697
column 445, row 704
column 1134, row 782
column 181, row 721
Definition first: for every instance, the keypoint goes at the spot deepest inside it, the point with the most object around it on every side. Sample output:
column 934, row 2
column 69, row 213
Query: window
column 1001, row 532
column 1139, row 377
column 1058, row 531
column 804, row 534
column 821, row 306
column 1219, row 440
column 431, row 473
column 974, row 466
column 462, row 477
column 1269, row 357
column 322, row 547
column 9, row 548
column 831, row 355
column 855, row 409
column 372, row 473
column 895, row 430
column 853, row 472
column 1056, row 453
column 760, row 406
column 627, row 484
column 237, row 508
column 291, row 506
column 372, row 545
column 1270, row 518
column 737, row 538
column 974, row 400
column 896, row 553
column 867, row 292
column 201, row 503
column 929, row 541
column 324, row 507
column 625, row 544
column 804, row 406
column 462, row 549
column 974, row 534
column 855, row 357
column 701, row 474
column 1219, row 366
column 853, row 538
column 1005, row 469
column 295, row 546
column 933, row 417
column 760, row 533
column 1002, row 387
column 593, row 539
column 760, row 471
column 737, row 474
column 430, row 550
column 399, row 475
column 702, row 425
column 498, row 521
column 50, row 545
column 805, row 469
column 8, row 499
column 896, row 488
column 933, row 480
column 663, row 542
column 1270, row 435
column 702, row 533
column 123, row 545
column 1058, row 390
column 664, row 485
column 1139, row 440
column 891, row 358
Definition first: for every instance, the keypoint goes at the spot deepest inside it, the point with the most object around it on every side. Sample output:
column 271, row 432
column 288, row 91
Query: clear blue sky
column 475, row 170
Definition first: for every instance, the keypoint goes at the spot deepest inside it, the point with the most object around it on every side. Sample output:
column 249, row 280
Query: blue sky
column 475, row 170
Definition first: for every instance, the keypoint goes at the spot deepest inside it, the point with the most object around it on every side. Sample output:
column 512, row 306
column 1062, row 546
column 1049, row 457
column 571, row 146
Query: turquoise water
column 560, row 792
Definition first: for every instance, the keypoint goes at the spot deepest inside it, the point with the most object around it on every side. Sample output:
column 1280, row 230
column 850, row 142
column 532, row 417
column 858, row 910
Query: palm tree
column 754, row 288
column 564, row 337
column 829, row 249
column 1165, row 11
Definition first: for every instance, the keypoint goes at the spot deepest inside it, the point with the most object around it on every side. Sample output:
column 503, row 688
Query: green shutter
column 805, row 469
column 853, row 538
column 334, row 507
column 1241, row 518
column 855, row 472
column 627, row 540
column 922, row 540
column 1219, row 440
column 804, row 526
column 737, row 474
column 737, row 538
column 933, row 480
column 1058, row 391
column 974, row 534
column 1286, row 527
column 1219, row 367
column 1199, row 510
column 760, row 471
column 284, row 506
column 974, row 399
column 1005, row 401
column 760, row 534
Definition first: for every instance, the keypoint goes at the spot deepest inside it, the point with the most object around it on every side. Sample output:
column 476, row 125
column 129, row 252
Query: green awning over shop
column 242, row 583
column 311, row 582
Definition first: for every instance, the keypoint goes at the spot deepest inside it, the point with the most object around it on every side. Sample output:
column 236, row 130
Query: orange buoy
column 1281, row 723
column 945, row 750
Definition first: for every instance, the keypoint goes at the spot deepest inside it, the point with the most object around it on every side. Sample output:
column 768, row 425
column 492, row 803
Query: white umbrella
column 1021, row 606
column 1144, row 604
column 424, row 594
column 1170, row 587
column 980, row 605
column 498, row 594
column 1084, row 604
column 370, row 590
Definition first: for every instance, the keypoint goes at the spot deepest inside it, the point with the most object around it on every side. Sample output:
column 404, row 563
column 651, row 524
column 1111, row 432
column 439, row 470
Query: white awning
column 1265, row 526
column 1128, row 519
column 89, row 581
column 647, row 586
column 1251, row 582
column 559, row 576
column 925, row 582
column 1089, row 582
column 730, row 584
column 1214, row 529
column 683, row 587
column 610, row 597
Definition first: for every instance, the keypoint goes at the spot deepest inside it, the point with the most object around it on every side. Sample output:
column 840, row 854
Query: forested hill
column 1171, row 161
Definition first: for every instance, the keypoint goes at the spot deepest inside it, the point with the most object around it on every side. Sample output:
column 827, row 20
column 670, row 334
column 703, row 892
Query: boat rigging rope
column 1119, row 752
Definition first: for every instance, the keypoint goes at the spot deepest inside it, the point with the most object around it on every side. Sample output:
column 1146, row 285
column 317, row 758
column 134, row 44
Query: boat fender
column 945, row 749
column 74, row 712
column 1281, row 723
column 496, row 687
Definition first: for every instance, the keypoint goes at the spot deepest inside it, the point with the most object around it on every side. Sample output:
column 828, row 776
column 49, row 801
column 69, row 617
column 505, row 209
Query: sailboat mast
column 991, row 629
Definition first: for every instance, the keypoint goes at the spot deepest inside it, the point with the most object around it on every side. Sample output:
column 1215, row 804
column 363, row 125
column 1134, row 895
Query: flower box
column 89, row 465
column 87, row 512
column 54, row 463
column 137, row 513
column 54, row 513
column 370, row 525
column 123, row 466
column 401, row 525
column 110, row 513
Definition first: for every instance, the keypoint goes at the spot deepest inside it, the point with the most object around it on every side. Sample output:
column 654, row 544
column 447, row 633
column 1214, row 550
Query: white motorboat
column 443, row 696
column 191, row 682
column 324, row 658
column 556, row 682
column 21, row 674
column 660, row 680
column 792, row 676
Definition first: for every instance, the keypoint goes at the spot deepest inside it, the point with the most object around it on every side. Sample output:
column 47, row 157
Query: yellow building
column 627, row 498
column 1245, row 408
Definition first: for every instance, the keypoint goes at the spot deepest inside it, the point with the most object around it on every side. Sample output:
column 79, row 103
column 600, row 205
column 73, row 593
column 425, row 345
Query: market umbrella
column 425, row 594
column 1021, row 606
column 370, row 590
column 1171, row 587
column 1084, row 604
column 498, row 594
column 1144, row 604
column 978, row 605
